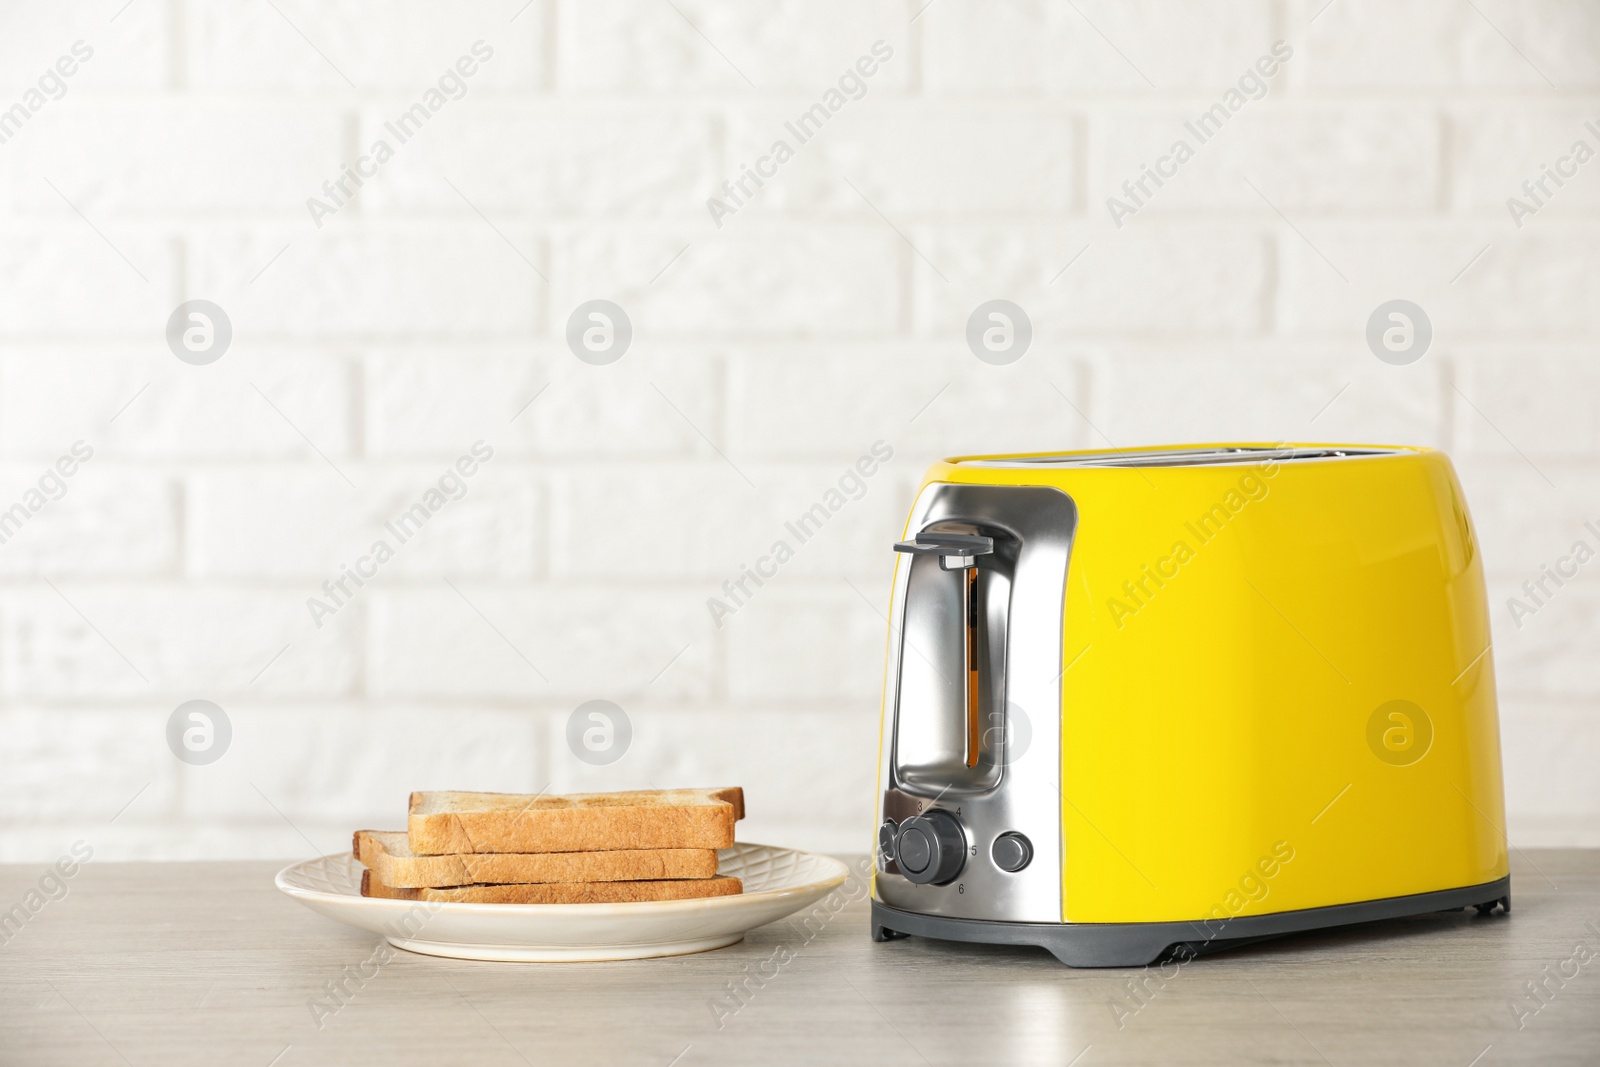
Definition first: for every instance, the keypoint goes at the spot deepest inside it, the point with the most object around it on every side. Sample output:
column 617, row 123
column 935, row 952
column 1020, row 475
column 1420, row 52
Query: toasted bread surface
column 391, row 860
column 559, row 892
column 452, row 823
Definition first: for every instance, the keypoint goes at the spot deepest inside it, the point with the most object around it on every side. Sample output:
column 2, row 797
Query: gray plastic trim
column 1137, row 944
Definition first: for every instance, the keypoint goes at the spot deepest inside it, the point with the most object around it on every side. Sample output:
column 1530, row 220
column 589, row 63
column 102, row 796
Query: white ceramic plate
column 777, row 882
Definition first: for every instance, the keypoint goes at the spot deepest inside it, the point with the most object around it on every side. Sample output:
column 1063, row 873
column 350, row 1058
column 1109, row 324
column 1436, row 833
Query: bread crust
column 452, row 823
column 560, row 892
column 395, row 865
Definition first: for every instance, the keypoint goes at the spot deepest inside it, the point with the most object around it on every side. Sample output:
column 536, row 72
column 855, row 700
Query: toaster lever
column 955, row 551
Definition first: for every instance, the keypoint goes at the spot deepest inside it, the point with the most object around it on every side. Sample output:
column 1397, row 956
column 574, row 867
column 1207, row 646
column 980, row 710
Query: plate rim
column 837, row 874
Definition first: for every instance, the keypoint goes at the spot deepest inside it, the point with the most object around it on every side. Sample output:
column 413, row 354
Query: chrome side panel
column 1024, row 795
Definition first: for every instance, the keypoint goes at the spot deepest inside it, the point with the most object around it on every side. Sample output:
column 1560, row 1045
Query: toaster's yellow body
column 1276, row 689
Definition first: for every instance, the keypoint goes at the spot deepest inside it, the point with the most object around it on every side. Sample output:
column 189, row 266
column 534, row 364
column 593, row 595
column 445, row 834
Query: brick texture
column 382, row 327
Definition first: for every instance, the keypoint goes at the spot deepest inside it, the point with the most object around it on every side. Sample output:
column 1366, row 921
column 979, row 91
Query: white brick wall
column 768, row 354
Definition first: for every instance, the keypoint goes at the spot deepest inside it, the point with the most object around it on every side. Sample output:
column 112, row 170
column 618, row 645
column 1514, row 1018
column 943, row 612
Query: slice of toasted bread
column 395, row 865
column 560, row 892
column 447, row 823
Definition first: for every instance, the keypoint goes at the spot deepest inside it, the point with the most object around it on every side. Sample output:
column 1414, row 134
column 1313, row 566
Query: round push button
column 886, row 835
column 1011, row 852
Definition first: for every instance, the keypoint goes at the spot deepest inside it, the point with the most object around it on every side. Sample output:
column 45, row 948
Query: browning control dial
column 931, row 848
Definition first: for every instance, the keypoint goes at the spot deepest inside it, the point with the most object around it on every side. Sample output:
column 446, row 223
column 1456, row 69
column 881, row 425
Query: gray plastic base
column 1136, row 944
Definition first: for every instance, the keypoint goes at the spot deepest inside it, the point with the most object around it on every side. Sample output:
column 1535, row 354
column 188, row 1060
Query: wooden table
column 206, row 963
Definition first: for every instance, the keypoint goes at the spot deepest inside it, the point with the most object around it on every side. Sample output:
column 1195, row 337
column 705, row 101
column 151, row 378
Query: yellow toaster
column 1155, row 702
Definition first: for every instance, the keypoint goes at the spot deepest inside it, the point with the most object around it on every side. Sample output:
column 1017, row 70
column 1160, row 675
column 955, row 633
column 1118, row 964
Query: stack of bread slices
column 586, row 848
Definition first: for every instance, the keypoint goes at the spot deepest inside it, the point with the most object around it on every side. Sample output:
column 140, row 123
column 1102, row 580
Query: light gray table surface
column 206, row 963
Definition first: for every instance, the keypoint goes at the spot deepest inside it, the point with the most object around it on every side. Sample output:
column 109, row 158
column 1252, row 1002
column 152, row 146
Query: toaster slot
column 969, row 649
column 951, row 675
